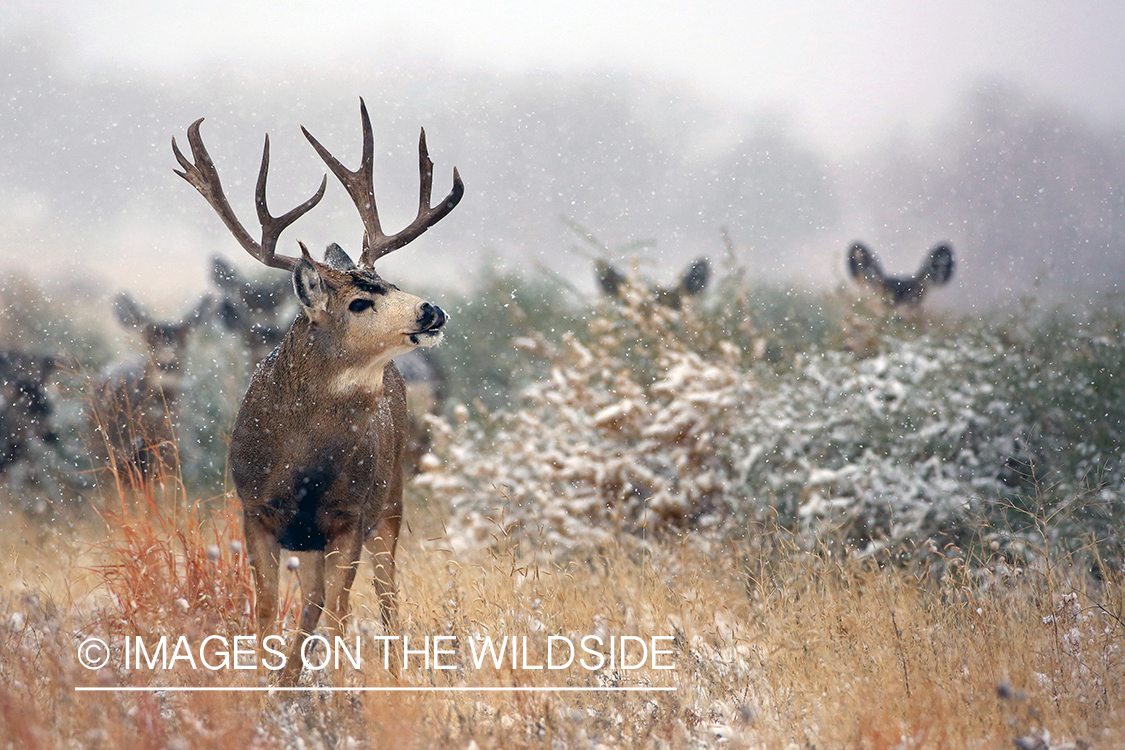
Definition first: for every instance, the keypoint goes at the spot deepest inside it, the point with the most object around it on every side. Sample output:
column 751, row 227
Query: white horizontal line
column 455, row 689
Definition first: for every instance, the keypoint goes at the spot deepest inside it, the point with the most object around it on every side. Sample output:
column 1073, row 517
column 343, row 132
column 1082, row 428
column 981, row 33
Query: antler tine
column 203, row 176
column 427, row 215
column 359, row 185
column 273, row 226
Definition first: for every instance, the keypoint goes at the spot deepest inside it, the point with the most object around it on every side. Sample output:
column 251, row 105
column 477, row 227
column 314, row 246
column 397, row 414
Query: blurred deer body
column 136, row 403
column 258, row 312
column 25, row 408
column 425, row 397
column 936, row 270
column 692, row 281
column 316, row 453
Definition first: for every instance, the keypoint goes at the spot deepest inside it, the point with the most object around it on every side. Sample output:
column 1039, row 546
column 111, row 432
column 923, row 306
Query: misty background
column 799, row 129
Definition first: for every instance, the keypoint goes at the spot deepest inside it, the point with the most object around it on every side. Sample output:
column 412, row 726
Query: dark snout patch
column 432, row 317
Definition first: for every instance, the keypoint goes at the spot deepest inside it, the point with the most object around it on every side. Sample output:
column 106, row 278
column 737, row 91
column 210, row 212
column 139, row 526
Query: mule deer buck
column 901, row 290
column 136, row 404
column 258, row 313
column 317, row 448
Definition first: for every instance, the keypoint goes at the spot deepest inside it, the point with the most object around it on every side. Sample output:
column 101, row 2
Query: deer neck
column 160, row 383
column 313, row 363
column 361, row 378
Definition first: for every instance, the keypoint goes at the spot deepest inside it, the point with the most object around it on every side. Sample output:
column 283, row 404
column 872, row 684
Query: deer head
column 316, row 452
column 901, row 290
column 258, row 312
column 692, row 281
column 165, row 342
column 362, row 320
column 339, row 295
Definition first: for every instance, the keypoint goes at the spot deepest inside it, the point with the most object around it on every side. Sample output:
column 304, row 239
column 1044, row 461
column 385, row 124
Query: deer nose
column 431, row 317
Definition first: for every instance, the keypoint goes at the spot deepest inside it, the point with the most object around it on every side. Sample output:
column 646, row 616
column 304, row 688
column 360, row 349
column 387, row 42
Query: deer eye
column 360, row 304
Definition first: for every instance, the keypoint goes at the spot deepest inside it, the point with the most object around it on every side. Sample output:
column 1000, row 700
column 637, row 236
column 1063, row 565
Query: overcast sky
column 837, row 75
column 845, row 71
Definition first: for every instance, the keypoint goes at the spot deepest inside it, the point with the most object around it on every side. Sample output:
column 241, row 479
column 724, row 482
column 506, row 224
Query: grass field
column 772, row 646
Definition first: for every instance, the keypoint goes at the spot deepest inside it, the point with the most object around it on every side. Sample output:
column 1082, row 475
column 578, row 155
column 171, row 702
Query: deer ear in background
column 609, row 278
column 695, row 277
column 862, row 264
column 225, row 276
column 129, row 313
column 938, row 267
column 200, row 313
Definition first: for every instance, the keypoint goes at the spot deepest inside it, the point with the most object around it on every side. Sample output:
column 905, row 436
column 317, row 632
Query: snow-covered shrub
column 652, row 419
column 628, row 430
column 895, row 447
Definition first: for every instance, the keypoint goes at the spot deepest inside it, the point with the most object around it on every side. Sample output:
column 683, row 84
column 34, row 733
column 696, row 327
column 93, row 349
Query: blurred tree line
column 1028, row 192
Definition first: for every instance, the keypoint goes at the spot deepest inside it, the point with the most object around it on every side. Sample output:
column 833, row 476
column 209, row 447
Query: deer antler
column 358, row 183
column 203, row 177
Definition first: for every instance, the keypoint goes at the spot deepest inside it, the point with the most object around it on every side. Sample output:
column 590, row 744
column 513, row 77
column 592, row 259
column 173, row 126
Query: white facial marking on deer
column 381, row 331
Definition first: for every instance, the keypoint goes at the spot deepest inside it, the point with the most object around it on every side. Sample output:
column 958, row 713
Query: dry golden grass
column 774, row 646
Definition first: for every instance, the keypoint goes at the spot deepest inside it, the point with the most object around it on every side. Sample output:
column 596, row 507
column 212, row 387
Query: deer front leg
column 383, row 553
column 384, row 541
column 310, row 574
column 341, row 564
column 263, row 552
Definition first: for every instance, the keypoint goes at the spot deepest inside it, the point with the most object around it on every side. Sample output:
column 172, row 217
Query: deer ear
column 336, row 258
column 129, row 313
column 862, row 264
column 609, row 278
column 695, row 278
column 224, row 275
column 939, row 266
column 201, row 312
column 310, row 288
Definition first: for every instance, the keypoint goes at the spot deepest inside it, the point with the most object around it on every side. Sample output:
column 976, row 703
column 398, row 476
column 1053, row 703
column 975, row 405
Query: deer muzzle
column 431, row 318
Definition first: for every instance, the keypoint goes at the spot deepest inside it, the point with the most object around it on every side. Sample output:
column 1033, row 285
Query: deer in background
column 901, row 290
column 316, row 453
column 25, row 407
column 425, row 397
column 260, row 314
column 692, row 281
column 136, row 403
